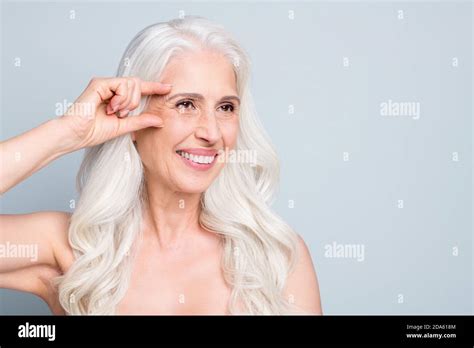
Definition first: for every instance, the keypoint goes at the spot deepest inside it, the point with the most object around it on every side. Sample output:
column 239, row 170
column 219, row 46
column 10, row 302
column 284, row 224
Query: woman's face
column 200, row 116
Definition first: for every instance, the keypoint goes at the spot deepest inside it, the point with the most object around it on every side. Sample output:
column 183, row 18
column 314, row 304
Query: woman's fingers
column 124, row 105
column 107, row 88
column 115, row 97
column 119, row 89
column 136, row 98
column 150, row 87
column 128, row 93
column 133, row 100
column 134, row 123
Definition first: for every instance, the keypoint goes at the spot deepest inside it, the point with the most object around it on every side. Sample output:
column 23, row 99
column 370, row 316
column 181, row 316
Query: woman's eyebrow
column 200, row 97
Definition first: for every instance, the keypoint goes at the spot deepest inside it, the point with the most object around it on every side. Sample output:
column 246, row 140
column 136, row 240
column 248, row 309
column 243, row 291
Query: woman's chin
column 193, row 187
column 191, row 181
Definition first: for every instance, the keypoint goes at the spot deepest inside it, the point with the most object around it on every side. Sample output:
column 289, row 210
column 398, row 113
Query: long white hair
column 259, row 248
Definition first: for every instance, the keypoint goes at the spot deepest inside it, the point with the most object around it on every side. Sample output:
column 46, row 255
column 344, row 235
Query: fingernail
column 167, row 85
column 124, row 112
column 114, row 108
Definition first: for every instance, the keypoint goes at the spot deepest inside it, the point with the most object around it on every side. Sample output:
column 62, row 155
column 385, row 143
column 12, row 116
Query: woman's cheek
column 177, row 129
column 230, row 132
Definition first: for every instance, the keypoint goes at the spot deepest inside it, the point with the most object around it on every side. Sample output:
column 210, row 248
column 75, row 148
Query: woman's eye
column 184, row 104
column 228, row 107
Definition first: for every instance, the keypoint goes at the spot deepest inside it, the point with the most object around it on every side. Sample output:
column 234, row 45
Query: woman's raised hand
column 100, row 112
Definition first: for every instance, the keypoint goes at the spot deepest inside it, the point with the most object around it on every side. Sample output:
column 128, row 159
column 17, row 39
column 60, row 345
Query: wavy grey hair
column 259, row 248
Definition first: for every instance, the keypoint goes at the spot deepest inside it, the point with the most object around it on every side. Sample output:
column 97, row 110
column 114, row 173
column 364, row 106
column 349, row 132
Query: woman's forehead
column 200, row 71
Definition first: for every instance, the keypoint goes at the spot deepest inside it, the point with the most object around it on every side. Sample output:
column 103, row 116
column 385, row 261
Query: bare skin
column 177, row 267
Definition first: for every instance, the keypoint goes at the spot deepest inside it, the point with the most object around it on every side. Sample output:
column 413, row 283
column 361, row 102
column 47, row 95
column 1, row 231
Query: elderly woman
column 165, row 223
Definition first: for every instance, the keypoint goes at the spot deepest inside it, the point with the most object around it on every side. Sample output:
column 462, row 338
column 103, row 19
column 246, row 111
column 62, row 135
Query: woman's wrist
column 27, row 153
column 65, row 141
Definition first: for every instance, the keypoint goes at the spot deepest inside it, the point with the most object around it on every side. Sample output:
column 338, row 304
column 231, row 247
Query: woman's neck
column 169, row 216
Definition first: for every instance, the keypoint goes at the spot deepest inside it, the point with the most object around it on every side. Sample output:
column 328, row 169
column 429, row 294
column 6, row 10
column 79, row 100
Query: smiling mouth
column 195, row 158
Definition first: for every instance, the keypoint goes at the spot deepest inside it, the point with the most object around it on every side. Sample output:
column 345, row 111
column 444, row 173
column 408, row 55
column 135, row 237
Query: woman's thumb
column 144, row 120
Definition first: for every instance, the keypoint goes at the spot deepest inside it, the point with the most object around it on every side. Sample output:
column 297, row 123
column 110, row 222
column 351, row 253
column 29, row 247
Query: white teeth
column 196, row 159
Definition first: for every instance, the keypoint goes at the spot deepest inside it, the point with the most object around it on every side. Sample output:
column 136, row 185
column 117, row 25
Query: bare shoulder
column 42, row 238
column 302, row 285
column 58, row 222
column 48, row 230
column 55, row 225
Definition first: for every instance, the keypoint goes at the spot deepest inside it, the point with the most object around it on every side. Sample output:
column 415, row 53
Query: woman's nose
column 208, row 128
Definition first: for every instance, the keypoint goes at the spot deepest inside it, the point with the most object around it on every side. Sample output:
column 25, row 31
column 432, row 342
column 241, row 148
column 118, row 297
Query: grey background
column 299, row 62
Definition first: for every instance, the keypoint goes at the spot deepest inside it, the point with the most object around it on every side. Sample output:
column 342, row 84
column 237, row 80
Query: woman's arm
column 91, row 120
column 35, row 245
column 27, row 153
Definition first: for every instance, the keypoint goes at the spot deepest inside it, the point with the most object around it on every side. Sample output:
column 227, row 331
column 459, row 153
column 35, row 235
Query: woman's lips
column 198, row 151
column 199, row 159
